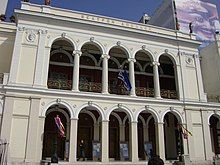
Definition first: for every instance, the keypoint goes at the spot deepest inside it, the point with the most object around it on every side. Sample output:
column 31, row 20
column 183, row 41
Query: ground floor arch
column 52, row 140
column 215, row 134
column 89, row 129
column 173, row 137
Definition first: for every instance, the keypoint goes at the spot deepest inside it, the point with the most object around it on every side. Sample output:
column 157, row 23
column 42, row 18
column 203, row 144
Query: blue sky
column 124, row 9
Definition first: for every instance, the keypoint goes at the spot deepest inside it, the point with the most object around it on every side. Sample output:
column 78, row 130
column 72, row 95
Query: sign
column 148, row 148
column 96, row 150
column 124, row 154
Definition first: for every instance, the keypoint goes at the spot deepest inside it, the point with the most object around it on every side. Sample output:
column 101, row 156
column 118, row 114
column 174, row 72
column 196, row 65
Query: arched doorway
column 215, row 134
column 89, row 131
column 168, row 78
column 118, row 60
column 90, row 68
column 173, row 137
column 119, row 135
column 51, row 133
column 146, row 136
column 60, row 66
column 144, row 82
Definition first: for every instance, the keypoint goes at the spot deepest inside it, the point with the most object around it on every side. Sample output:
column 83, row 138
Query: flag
column 123, row 76
column 60, row 126
column 185, row 132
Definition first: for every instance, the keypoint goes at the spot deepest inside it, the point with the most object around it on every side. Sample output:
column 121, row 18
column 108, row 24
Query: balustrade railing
column 90, row 87
column 119, row 90
column 59, row 84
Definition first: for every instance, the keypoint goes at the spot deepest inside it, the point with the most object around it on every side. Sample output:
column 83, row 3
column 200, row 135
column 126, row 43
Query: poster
column 124, row 150
column 96, row 149
column 148, row 148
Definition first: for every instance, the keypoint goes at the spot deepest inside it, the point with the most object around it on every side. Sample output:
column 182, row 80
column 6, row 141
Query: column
column 3, row 6
column 207, row 136
column 16, row 55
column 105, row 58
column 105, row 141
column 132, row 75
column 77, row 55
column 38, row 75
column 122, row 132
column 156, row 80
column 146, row 133
column 202, row 96
column 73, row 140
column 134, row 142
column 96, row 131
column 45, row 68
column 160, row 140
column 31, row 148
column 7, row 118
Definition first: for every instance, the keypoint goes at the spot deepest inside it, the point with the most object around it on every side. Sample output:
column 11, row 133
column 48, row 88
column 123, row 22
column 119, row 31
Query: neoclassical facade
column 59, row 62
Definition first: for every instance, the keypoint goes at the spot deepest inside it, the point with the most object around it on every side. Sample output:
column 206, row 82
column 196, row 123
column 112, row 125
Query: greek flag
column 123, row 76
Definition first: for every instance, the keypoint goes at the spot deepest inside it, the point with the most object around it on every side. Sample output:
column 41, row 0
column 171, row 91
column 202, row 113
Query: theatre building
column 55, row 61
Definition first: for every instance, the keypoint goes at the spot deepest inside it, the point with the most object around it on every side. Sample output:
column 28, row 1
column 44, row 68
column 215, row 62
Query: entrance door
column 51, row 134
column 113, row 143
column 85, row 134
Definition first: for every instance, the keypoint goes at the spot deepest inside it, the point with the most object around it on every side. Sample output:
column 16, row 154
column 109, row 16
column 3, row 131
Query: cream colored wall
column 191, row 85
column 6, row 49
column 198, row 135
column 27, row 65
column 19, row 128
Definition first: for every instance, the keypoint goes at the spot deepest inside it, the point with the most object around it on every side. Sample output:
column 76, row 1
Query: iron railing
column 119, row 89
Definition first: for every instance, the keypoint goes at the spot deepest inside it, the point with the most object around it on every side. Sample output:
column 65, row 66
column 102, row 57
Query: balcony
column 59, row 84
column 119, row 90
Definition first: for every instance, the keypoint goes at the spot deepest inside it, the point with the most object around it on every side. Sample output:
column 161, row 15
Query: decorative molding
column 166, row 50
column 90, row 103
column 143, row 47
column 31, row 36
column 77, row 52
column 119, row 105
column 156, row 63
column 63, row 35
column 118, row 43
column 92, row 39
column 147, row 107
column 58, row 101
column 131, row 60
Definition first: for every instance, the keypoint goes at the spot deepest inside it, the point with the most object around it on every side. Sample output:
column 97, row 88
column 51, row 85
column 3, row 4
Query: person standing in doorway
column 82, row 150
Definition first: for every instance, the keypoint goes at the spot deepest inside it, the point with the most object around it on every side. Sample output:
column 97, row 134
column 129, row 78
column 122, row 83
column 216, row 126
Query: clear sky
column 124, row 9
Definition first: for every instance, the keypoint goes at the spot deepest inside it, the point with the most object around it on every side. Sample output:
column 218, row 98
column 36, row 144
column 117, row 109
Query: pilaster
column 38, row 74
column 31, row 148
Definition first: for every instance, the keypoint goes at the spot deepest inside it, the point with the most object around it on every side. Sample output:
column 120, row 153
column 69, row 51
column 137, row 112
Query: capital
column 105, row 56
column 131, row 60
column 77, row 52
column 156, row 63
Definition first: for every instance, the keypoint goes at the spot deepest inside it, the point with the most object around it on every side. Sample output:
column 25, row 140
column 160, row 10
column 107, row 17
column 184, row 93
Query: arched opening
column 167, row 74
column 90, row 69
column 89, row 130
column 173, row 137
column 215, row 134
column 118, row 60
column 119, row 135
column 146, row 136
column 60, row 66
column 144, row 81
column 52, row 138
